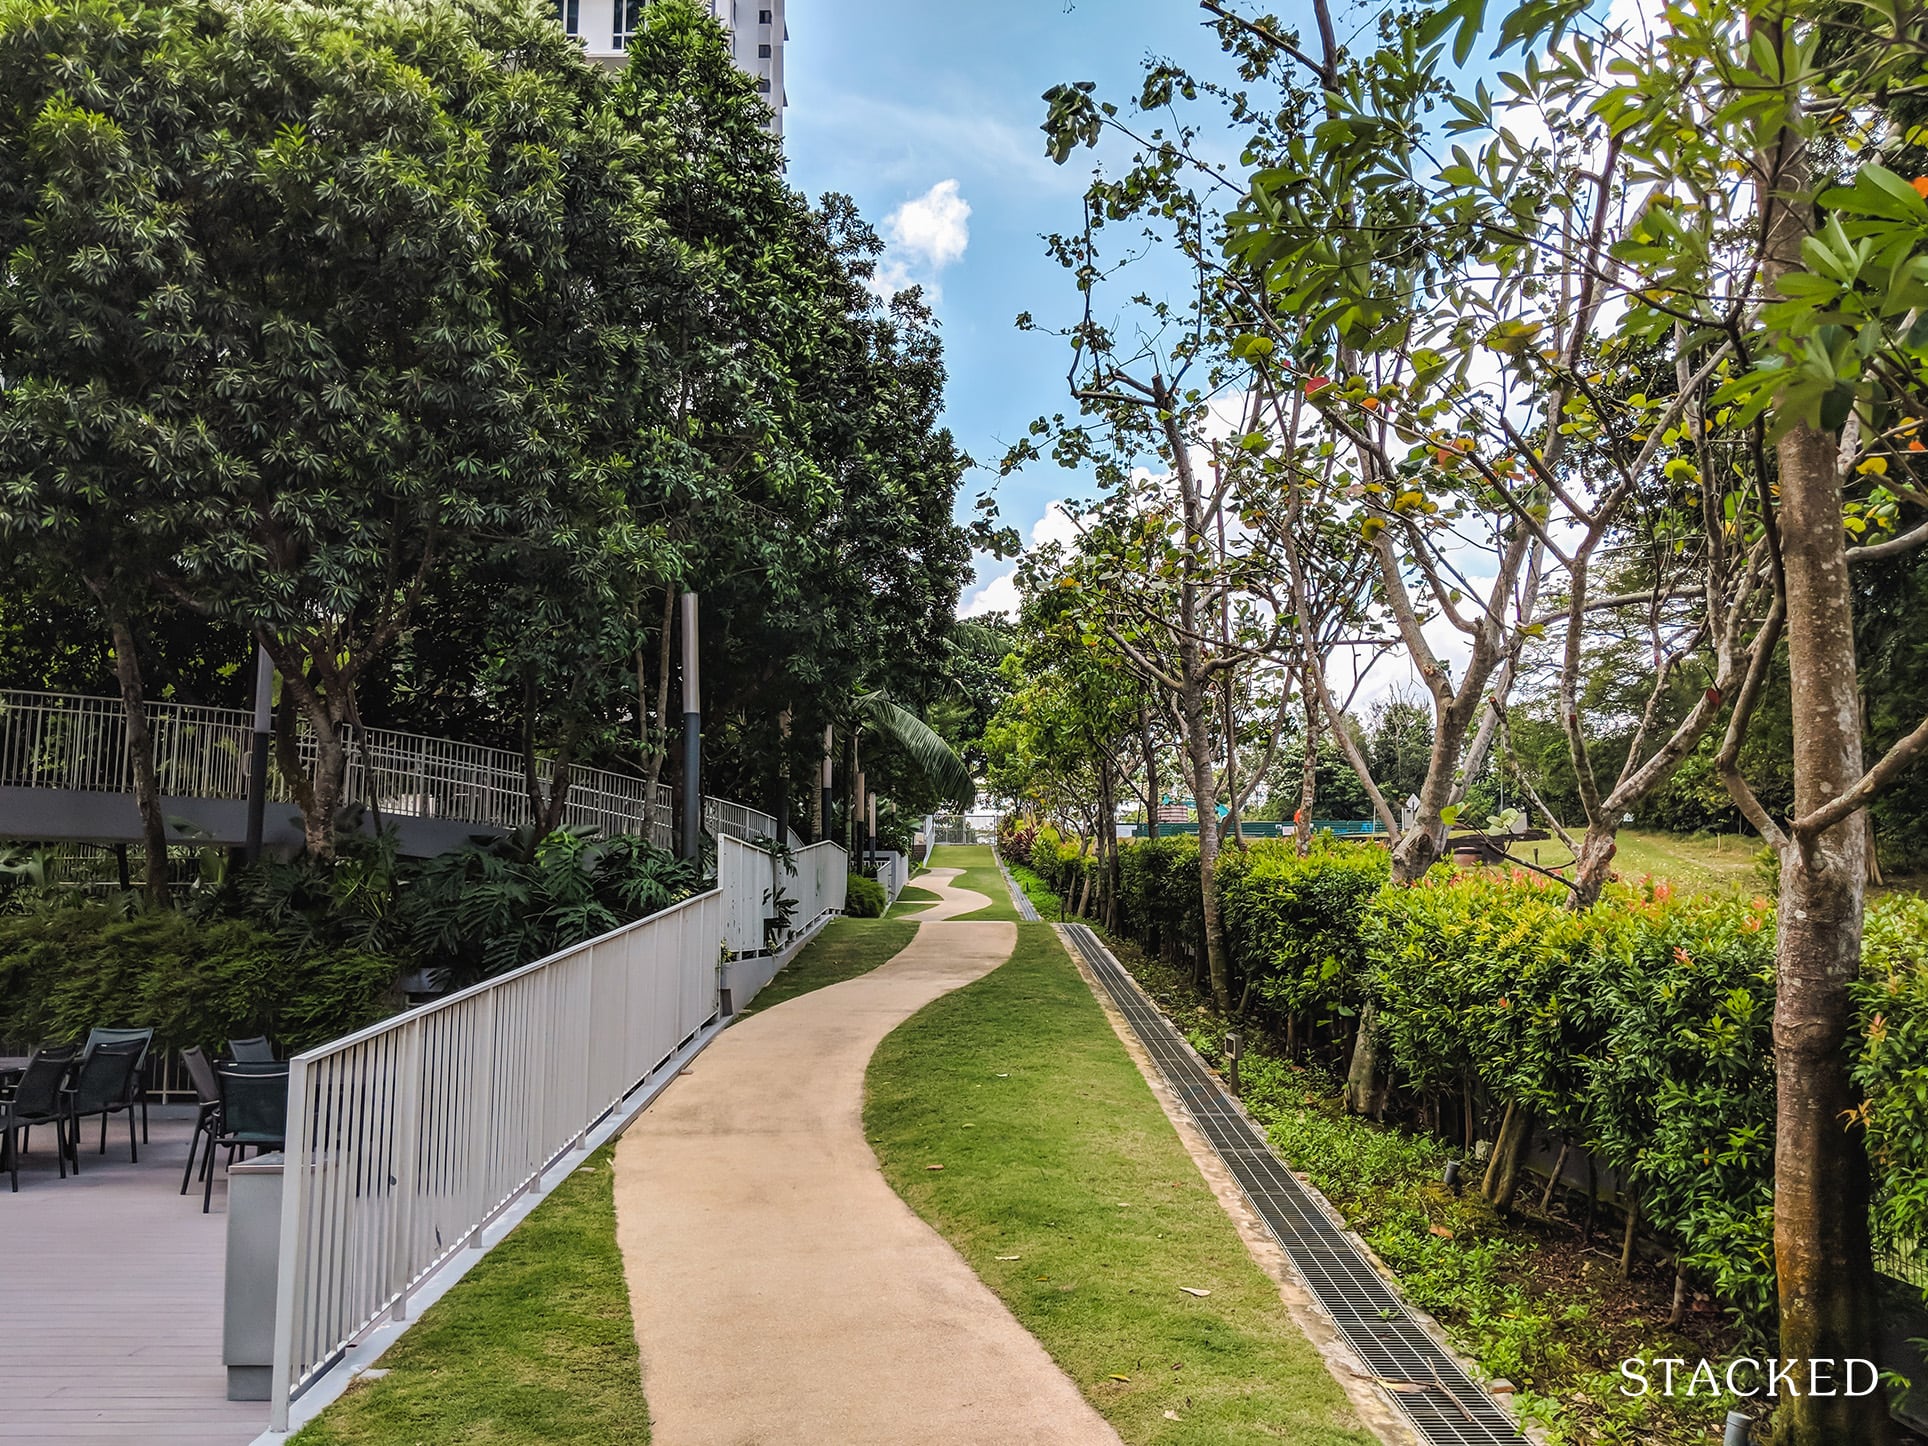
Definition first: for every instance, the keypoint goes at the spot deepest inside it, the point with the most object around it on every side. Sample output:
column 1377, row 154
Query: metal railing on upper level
column 60, row 740
column 406, row 1138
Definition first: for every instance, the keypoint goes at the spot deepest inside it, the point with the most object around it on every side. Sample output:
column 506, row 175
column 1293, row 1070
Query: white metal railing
column 407, row 1138
column 724, row 819
column 891, row 869
column 821, row 882
column 815, row 880
column 61, row 740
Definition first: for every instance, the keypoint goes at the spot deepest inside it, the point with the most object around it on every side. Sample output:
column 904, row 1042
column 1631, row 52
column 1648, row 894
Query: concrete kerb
column 330, row 1386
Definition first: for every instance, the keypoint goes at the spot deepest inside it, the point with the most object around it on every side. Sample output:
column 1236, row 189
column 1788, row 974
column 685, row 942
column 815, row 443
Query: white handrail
column 406, row 1138
column 65, row 740
column 815, row 881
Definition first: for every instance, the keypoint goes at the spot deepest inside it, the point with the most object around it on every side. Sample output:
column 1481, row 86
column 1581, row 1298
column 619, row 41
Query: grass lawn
column 910, row 898
column 845, row 949
column 1048, row 904
column 534, row 1344
column 1067, row 1190
column 1689, row 861
column 980, row 873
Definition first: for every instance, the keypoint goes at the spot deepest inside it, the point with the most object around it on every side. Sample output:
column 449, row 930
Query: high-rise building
column 756, row 27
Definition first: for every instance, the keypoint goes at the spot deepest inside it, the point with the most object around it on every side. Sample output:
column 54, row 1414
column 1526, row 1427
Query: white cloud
column 923, row 236
column 1000, row 593
column 934, row 228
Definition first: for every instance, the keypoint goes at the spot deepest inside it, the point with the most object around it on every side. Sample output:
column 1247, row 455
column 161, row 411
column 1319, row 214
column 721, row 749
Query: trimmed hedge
column 1640, row 1030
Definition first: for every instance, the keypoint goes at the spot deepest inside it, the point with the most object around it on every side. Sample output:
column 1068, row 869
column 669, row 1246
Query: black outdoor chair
column 136, row 1082
column 251, row 1051
column 207, row 1124
column 36, row 1101
column 103, row 1085
column 254, row 1112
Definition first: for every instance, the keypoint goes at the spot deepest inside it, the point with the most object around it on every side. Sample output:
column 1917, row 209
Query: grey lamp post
column 692, row 736
column 258, row 752
column 829, row 793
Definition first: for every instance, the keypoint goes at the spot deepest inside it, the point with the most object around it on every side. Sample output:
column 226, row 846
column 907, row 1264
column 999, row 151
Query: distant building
column 757, row 33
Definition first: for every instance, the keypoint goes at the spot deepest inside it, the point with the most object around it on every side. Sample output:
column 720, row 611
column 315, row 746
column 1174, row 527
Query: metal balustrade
column 723, row 819
column 407, row 1138
column 66, row 741
column 814, row 878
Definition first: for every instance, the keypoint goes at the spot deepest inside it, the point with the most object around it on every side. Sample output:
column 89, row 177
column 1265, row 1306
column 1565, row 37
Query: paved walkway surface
column 111, row 1287
column 950, row 901
column 782, row 1291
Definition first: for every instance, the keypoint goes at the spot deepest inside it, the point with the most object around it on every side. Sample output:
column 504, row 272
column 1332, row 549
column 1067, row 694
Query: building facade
column 757, row 32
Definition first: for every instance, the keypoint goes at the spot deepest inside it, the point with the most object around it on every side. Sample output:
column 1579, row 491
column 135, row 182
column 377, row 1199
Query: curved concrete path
column 951, row 901
column 783, row 1293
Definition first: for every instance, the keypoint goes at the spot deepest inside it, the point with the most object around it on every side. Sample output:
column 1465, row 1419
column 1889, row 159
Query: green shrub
column 1891, row 1066
column 1293, row 924
column 66, row 969
column 1476, row 980
column 1158, row 889
column 865, row 898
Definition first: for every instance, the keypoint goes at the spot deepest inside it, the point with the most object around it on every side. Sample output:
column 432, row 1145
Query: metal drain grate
column 1021, row 900
column 1449, row 1408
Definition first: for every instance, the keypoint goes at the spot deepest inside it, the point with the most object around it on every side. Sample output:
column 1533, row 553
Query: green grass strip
column 980, row 873
column 1047, row 903
column 909, row 899
column 845, row 949
column 1057, row 1156
column 536, row 1343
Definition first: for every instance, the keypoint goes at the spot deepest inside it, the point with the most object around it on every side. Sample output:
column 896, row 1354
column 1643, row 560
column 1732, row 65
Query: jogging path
column 782, row 1291
column 950, row 903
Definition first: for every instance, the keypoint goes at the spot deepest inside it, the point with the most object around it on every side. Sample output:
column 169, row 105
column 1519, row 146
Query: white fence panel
column 743, row 873
column 407, row 1137
column 816, row 878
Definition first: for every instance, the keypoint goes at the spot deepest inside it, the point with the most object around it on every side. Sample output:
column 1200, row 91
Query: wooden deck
column 110, row 1290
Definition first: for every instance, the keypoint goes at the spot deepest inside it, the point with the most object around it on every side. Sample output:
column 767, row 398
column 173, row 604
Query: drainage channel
column 1423, row 1379
column 1021, row 900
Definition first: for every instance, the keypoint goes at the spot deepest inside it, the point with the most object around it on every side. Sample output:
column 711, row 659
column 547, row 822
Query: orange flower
column 1920, row 184
column 1681, row 956
column 1917, row 445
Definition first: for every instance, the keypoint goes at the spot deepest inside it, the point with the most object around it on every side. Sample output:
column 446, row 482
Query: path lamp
column 829, row 747
column 692, row 737
column 258, row 751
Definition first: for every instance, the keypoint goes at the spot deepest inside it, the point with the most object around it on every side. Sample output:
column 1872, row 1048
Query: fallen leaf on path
column 1404, row 1388
column 1441, row 1231
column 1171, row 1415
column 1194, row 1290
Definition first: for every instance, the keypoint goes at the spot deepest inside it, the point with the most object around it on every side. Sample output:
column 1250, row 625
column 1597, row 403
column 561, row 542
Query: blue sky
column 891, row 101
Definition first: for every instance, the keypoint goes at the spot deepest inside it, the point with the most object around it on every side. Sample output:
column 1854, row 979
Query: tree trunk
column 1509, row 1154
column 1822, row 1252
column 140, row 752
column 1362, row 1075
column 1151, row 770
column 1308, row 775
column 1204, row 794
column 1553, row 1180
column 1627, row 1240
column 1594, row 866
column 1821, row 1246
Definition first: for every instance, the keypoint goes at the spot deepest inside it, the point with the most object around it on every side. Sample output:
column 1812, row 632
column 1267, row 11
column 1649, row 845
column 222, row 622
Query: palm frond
column 933, row 757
